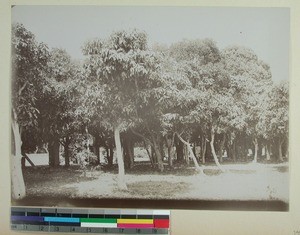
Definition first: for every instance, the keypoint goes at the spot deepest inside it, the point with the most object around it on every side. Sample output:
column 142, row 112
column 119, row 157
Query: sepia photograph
column 150, row 107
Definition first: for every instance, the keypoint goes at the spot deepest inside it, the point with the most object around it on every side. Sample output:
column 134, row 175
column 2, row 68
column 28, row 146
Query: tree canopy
column 170, row 100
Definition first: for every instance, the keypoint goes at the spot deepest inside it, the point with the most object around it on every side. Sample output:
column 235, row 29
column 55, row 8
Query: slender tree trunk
column 121, row 176
column 131, row 154
column 267, row 152
column 149, row 153
column 203, row 149
column 231, row 150
column 67, row 151
column 128, row 152
column 170, row 143
column 194, row 150
column 170, row 156
column 287, row 148
column 234, row 151
column 97, row 153
column 153, row 156
column 191, row 153
column 158, row 155
column 214, row 152
column 18, row 190
column 96, row 149
column 222, row 147
column 260, row 150
column 107, row 154
column 280, row 142
column 169, row 150
column 54, row 152
column 255, row 142
column 238, row 149
column 110, row 159
column 186, row 155
column 179, row 152
column 125, row 153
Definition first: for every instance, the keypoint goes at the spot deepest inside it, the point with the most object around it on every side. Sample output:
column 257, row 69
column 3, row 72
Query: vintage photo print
column 150, row 107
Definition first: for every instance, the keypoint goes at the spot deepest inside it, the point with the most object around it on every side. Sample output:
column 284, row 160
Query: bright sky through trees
column 264, row 30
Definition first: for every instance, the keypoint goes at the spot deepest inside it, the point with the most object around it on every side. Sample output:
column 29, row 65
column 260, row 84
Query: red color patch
column 161, row 223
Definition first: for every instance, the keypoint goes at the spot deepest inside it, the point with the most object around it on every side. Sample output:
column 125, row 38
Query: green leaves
column 199, row 51
column 122, row 82
column 29, row 65
column 118, row 69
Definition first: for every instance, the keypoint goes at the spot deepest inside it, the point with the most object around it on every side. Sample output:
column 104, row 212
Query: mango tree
column 243, row 62
column 56, row 119
column 277, row 117
column 116, row 69
column 29, row 67
column 205, row 69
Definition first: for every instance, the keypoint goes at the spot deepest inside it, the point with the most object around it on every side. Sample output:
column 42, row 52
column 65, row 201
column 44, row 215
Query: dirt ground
column 239, row 182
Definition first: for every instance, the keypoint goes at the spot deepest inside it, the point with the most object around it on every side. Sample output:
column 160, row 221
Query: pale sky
column 264, row 30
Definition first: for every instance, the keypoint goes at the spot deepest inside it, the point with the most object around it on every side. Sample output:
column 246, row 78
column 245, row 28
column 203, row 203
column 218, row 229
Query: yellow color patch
column 135, row 221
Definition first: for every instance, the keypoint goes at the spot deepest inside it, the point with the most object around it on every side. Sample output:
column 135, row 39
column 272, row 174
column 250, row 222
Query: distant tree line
column 187, row 102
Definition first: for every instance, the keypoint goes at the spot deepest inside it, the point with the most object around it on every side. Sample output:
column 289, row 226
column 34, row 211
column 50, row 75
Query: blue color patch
column 62, row 219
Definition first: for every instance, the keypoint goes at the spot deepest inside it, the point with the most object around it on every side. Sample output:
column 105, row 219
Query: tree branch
column 22, row 88
column 142, row 136
column 198, row 168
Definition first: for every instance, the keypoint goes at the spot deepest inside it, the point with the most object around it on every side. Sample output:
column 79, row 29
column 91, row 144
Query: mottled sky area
column 264, row 30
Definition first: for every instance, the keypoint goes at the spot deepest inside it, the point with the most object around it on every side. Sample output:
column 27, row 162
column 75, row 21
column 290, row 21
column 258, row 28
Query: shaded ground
column 240, row 182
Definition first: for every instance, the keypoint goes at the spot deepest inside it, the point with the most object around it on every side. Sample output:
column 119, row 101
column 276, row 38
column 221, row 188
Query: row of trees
column 124, row 93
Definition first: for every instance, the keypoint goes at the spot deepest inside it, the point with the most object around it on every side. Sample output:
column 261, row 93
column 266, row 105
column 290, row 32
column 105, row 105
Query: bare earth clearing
column 240, row 182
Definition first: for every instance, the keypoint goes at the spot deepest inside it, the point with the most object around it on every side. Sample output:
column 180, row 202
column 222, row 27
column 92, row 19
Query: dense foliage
column 187, row 102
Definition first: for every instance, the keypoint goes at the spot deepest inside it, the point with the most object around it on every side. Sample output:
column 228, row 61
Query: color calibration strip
column 112, row 221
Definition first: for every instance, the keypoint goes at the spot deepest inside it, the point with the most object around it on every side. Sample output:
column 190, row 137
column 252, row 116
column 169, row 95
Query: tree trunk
column 231, row 150
column 222, row 147
column 67, row 151
column 54, row 152
column 170, row 143
column 149, row 153
column 131, row 154
column 158, row 155
column 110, row 156
column 203, row 149
column 194, row 150
column 128, row 152
column 214, row 152
column 186, row 155
column 191, row 153
column 287, row 149
column 267, row 152
column 18, row 190
column 121, row 176
column 238, row 149
column 96, row 149
column 234, row 150
column 153, row 157
column 170, row 156
column 255, row 142
column 179, row 152
column 107, row 154
column 280, row 142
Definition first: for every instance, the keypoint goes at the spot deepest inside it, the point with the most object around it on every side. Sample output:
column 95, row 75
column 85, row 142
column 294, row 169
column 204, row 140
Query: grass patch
column 45, row 180
column 145, row 168
column 211, row 172
column 282, row 169
column 153, row 188
column 144, row 182
column 242, row 171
